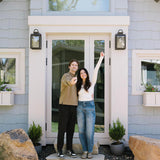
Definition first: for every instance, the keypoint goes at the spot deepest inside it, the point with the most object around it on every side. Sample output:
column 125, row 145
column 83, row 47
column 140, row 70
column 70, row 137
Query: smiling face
column 73, row 67
column 83, row 74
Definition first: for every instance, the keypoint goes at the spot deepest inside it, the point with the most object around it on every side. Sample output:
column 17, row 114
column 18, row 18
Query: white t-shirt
column 84, row 95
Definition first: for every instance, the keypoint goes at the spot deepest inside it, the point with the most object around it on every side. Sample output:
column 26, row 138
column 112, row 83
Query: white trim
column 19, row 54
column 50, row 25
column 137, row 57
column 80, row 20
column 88, row 57
column 45, row 11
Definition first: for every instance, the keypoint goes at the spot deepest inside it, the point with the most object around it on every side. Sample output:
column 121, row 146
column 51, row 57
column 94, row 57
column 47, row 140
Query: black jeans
column 67, row 120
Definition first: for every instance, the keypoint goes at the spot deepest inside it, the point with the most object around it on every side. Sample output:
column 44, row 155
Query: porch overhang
column 78, row 20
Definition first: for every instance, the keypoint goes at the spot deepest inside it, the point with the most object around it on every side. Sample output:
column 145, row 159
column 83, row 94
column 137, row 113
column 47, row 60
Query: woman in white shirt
column 86, row 108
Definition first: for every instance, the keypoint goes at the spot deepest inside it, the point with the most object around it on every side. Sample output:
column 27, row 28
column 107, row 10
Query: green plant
column 3, row 86
column 150, row 88
column 35, row 133
column 117, row 131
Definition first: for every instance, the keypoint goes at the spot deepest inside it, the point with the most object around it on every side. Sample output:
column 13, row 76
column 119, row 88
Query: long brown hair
column 79, row 81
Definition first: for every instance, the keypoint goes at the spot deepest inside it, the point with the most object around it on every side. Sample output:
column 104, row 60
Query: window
column 150, row 72
column 72, row 6
column 145, row 69
column 12, row 69
column 8, row 70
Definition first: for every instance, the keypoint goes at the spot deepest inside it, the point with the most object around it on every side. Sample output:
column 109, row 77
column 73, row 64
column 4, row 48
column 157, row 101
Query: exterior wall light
column 120, row 40
column 36, row 40
column 1, row 0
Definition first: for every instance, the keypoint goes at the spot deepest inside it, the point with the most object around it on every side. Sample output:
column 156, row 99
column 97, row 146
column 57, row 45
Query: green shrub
column 35, row 133
column 117, row 131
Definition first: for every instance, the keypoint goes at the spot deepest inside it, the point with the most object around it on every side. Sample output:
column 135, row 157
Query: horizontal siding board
column 9, row 5
column 144, row 33
column 144, row 129
column 16, row 109
column 7, row 127
column 14, row 34
column 13, row 118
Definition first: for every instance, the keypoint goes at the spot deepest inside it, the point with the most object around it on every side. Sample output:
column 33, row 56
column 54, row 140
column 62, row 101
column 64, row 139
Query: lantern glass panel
column 121, row 42
column 35, row 41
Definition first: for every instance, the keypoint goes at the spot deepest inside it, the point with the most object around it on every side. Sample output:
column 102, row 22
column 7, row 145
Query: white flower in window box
column 6, row 95
column 151, row 96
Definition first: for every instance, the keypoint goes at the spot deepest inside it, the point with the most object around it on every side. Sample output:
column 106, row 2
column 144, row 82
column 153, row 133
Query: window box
column 6, row 98
column 16, row 73
column 151, row 99
column 141, row 73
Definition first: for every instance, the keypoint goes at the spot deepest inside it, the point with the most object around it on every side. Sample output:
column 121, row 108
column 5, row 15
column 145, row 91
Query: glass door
column 62, row 52
column 86, row 50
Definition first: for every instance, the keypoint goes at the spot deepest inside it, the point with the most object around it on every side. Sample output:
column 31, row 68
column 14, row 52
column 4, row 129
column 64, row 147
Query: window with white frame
column 79, row 6
column 12, row 69
column 145, row 69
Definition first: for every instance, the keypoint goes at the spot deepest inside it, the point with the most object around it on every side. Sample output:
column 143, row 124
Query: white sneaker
column 84, row 155
column 90, row 156
column 60, row 154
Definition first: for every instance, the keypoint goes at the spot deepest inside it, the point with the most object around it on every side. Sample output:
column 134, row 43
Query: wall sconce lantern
column 120, row 40
column 36, row 40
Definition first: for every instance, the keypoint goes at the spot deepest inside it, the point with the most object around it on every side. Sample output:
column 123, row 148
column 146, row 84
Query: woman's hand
column 102, row 54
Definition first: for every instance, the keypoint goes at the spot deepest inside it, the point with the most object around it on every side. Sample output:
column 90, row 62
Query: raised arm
column 95, row 73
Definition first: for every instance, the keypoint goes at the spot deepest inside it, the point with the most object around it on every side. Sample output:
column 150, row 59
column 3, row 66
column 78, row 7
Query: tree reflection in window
column 99, row 46
column 79, row 5
column 150, row 72
column 8, row 70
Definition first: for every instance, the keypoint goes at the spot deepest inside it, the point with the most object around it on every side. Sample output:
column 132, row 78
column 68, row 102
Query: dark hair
column 79, row 81
column 73, row 60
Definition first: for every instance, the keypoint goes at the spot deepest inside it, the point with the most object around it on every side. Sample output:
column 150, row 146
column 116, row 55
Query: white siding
column 121, row 7
column 144, row 33
column 14, row 34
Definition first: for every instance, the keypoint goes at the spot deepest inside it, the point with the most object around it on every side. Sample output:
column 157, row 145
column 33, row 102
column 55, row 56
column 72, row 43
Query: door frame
column 89, row 64
column 78, row 24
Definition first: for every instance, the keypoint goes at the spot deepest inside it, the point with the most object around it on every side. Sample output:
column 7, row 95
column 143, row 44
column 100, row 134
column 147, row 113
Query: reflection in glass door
column 99, row 87
column 62, row 52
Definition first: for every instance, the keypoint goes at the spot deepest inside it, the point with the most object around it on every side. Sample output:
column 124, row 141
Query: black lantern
column 36, row 40
column 120, row 40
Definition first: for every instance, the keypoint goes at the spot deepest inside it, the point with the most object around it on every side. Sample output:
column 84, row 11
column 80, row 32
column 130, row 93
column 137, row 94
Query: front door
column 85, row 48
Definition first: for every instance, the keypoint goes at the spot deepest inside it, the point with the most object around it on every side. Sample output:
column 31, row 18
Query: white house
column 80, row 29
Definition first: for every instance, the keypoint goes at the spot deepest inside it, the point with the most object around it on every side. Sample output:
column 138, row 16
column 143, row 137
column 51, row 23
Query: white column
column 37, row 68
column 119, row 82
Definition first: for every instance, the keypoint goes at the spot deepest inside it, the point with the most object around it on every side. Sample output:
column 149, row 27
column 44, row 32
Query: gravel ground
column 127, row 155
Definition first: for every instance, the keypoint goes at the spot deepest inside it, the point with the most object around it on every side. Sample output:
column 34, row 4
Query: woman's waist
column 85, row 102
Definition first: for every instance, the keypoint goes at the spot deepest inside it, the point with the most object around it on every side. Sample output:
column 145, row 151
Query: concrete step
column 54, row 157
column 78, row 148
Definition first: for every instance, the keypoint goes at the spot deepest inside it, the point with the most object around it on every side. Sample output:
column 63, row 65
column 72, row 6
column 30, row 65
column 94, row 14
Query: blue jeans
column 86, row 121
